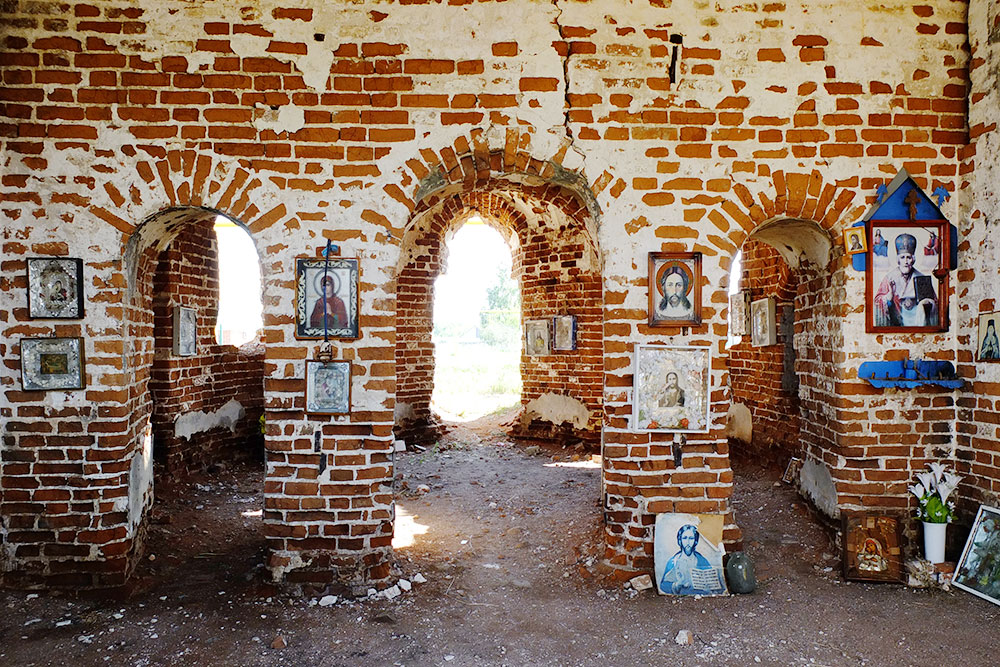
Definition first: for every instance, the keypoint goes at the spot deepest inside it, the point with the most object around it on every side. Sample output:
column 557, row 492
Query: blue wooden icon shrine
column 894, row 202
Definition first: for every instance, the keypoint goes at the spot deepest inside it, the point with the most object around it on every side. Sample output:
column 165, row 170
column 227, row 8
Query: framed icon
column 328, row 387
column 739, row 313
column 855, row 240
column 674, row 289
column 537, row 338
column 49, row 364
column 326, row 297
column 763, row 326
column 185, row 340
column 671, row 389
column 907, row 276
column 872, row 547
column 987, row 344
column 55, row 288
column 564, row 333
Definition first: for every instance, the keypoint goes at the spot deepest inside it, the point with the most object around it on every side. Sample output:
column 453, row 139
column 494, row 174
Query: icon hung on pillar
column 328, row 382
column 910, row 252
column 907, row 276
column 326, row 298
column 674, row 289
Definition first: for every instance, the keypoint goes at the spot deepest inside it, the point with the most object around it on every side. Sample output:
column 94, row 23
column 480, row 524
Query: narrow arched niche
column 774, row 386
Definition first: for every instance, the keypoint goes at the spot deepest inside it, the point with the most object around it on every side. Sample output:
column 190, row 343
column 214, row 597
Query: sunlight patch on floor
column 594, row 462
column 406, row 528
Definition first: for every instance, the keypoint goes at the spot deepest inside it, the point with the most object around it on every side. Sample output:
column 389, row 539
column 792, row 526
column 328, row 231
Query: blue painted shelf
column 909, row 374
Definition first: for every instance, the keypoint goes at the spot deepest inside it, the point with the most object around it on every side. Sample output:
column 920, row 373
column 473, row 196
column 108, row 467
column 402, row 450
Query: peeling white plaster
column 198, row 59
column 796, row 240
column 283, row 119
column 739, row 423
column 817, row 484
column 403, row 411
column 6, row 550
column 296, row 561
column 227, row 416
column 558, row 409
column 140, row 482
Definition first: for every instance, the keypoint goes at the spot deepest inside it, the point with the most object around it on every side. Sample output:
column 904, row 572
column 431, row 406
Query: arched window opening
column 477, row 327
column 240, row 307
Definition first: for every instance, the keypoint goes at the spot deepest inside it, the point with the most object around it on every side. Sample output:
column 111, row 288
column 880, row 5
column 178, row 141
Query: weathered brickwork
column 758, row 375
column 978, row 407
column 607, row 129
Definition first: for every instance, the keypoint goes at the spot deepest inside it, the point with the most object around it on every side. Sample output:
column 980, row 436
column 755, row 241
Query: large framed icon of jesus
column 674, row 289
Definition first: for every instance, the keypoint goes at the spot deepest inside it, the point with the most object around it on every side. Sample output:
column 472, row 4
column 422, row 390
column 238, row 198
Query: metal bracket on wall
column 317, row 447
column 678, row 449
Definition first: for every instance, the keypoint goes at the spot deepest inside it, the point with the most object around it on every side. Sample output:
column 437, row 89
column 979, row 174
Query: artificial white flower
column 917, row 490
column 927, row 479
column 937, row 469
column 947, row 485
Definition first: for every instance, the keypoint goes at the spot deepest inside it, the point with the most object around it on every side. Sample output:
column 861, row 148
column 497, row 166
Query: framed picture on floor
column 328, row 387
column 687, row 554
column 671, row 388
column 55, row 288
column 49, row 364
column 872, row 547
column 674, row 289
column 907, row 276
column 978, row 570
column 326, row 297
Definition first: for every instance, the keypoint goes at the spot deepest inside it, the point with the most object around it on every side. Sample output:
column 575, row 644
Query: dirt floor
column 507, row 539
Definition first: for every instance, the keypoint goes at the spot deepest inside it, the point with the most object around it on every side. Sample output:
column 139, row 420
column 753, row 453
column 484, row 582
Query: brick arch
column 556, row 263
column 175, row 179
column 797, row 415
column 752, row 206
column 521, row 154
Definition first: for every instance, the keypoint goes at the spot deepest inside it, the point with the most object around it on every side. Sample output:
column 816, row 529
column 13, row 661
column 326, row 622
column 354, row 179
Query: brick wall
column 322, row 121
column 187, row 274
column 977, row 451
column 758, row 376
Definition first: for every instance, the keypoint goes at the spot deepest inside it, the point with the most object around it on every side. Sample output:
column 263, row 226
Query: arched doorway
column 776, row 282
column 197, row 402
column 556, row 263
column 477, row 326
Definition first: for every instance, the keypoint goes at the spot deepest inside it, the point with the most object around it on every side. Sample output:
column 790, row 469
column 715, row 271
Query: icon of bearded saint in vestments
column 905, row 297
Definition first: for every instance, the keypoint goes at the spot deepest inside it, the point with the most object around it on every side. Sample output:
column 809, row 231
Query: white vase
column 934, row 541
